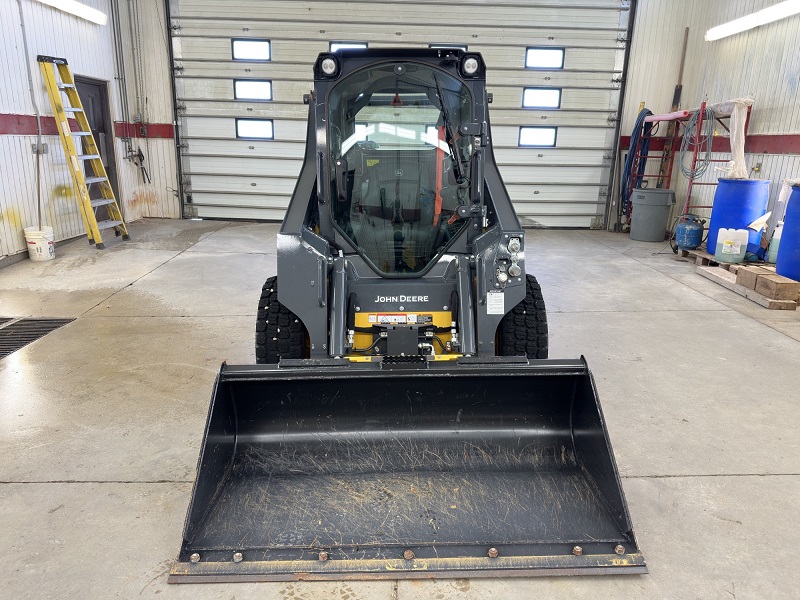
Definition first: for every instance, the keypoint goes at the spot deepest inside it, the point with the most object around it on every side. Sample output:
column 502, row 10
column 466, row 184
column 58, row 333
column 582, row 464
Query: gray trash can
column 650, row 214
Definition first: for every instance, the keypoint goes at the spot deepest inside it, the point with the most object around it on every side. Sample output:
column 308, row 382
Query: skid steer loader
column 403, row 420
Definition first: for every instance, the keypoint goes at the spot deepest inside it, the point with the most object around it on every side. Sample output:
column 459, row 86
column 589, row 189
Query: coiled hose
column 639, row 136
column 687, row 145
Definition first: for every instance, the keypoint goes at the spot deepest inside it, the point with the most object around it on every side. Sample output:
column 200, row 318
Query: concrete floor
column 101, row 421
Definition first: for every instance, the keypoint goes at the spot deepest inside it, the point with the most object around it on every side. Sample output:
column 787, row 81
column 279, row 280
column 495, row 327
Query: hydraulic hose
column 640, row 136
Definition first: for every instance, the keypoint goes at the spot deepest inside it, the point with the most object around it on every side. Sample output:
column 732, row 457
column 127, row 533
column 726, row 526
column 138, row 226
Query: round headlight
column 328, row 66
column 470, row 66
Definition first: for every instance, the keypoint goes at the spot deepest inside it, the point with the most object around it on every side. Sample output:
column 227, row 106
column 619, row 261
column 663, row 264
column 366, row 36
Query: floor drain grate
column 19, row 334
column 4, row 320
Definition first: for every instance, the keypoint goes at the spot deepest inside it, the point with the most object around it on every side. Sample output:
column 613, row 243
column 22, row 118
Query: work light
column 470, row 66
column 328, row 66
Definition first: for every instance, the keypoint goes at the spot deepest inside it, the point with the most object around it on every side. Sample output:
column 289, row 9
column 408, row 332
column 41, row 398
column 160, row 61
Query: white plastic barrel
column 40, row 243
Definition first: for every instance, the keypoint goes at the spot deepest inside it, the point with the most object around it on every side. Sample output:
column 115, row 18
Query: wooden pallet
column 701, row 257
column 727, row 279
column 704, row 259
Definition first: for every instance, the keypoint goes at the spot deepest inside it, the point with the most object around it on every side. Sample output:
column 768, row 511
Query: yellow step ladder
column 58, row 78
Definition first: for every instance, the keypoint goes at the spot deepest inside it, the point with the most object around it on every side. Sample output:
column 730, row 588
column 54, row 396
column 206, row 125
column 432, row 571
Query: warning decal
column 391, row 319
column 495, row 303
column 400, row 318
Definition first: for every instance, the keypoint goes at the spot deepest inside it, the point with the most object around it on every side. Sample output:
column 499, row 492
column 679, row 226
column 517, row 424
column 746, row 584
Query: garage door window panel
column 251, row 49
column 255, row 129
column 538, row 137
column 336, row 46
column 548, row 98
column 538, row 57
column 251, row 89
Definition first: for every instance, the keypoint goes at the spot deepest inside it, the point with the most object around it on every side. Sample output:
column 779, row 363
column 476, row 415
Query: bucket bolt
column 408, row 554
column 237, row 557
column 493, row 553
column 323, row 556
column 194, row 558
column 577, row 550
column 619, row 549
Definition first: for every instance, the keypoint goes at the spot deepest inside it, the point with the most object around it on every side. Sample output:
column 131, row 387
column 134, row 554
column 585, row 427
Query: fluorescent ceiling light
column 762, row 17
column 79, row 10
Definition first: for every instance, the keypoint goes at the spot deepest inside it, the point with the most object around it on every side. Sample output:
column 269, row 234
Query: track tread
column 279, row 332
column 523, row 331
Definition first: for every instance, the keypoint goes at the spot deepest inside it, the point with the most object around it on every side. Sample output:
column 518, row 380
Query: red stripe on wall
column 144, row 130
column 26, row 125
column 771, row 144
column 753, row 144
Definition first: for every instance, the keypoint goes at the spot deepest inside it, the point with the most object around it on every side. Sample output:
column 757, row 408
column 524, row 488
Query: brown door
column 94, row 97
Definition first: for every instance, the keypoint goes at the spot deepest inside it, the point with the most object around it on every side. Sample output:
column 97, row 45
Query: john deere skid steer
column 403, row 420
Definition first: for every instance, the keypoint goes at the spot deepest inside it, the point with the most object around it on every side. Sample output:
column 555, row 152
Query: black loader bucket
column 339, row 470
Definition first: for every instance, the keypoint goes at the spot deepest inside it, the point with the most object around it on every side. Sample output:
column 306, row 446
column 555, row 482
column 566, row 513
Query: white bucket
column 40, row 243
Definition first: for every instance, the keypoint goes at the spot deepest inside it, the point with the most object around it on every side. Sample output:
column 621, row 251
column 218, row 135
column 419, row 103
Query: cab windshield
column 399, row 167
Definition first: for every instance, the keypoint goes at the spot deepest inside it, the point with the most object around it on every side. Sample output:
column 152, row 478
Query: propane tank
column 689, row 232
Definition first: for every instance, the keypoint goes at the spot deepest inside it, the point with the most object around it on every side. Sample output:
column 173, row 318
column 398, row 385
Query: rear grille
column 19, row 334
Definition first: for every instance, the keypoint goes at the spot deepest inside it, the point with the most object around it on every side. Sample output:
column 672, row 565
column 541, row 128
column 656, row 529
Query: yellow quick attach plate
column 436, row 318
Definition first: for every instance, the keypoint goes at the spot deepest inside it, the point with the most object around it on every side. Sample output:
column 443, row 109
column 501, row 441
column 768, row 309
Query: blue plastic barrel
column 788, row 263
column 737, row 203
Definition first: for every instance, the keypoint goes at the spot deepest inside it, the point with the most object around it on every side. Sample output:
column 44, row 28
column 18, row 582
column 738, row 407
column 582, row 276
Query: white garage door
column 241, row 69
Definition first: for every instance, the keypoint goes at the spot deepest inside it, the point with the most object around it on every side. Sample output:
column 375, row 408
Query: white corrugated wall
column 150, row 100
column 763, row 62
column 561, row 186
column 89, row 48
